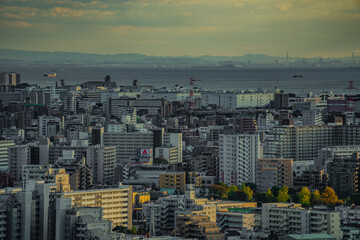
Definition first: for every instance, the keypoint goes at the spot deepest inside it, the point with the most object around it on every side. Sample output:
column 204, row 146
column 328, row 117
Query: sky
column 303, row 28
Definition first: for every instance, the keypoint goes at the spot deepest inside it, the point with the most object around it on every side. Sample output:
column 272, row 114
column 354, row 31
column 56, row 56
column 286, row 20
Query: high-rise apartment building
column 274, row 172
column 303, row 143
column 102, row 161
column 238, row 156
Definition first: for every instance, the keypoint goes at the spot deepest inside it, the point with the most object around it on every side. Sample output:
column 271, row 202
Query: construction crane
column 191, row 93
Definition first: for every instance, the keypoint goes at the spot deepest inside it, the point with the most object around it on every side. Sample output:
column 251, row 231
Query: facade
column 286, row 218
column 236, row 219
column 18, row 156
column 311, row 117
column 143, row 106
column 344, row 176
column 116, row 202
column 170, row 154
column 206, row 162
column 197, row 227
column 87, row 222
column 312, row 179
column 128, row 143
column 327, row 155
column 178, row 181
column 174, row 140
column 238, row 156
column 274, row 172
column 4, row 154
column 303, row 143
column 237, row 100
column 102, row 161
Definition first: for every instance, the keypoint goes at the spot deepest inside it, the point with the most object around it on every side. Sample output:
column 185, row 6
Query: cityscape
column 119, row 128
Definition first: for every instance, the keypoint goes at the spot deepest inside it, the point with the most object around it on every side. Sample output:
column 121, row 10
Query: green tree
column 253, row 186
column 329, row 197
column 121, row 229
column 283, row 195
column 232, row 191
column 275, row 190
column 249, row 193
column 304, row 197
column 269, row 195
column 219, row 191
column 356, row 199
column 261, row 197
column 238, row 196
column 160, row 161
column 316, row 197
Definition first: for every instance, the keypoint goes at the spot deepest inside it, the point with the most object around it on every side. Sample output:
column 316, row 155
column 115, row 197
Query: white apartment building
column 311, row 117
column 128, row 143
column 18, row 156
column 291, row 218
column 242, row 99
column 238, row 156
column 49, row 125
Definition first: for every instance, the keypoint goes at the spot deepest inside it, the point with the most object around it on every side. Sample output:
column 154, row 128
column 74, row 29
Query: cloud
column 187, row 25
column 17, row 24
column 68, row 12
column 11, row 15
column 284, row 7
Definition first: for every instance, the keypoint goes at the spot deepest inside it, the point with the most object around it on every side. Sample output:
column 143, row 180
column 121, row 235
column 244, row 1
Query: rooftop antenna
column 191, row 93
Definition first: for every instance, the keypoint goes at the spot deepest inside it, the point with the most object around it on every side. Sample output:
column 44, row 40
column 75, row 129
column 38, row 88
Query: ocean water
column 316, row 80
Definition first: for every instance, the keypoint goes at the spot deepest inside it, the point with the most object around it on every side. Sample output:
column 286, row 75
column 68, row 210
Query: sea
column 314, row 80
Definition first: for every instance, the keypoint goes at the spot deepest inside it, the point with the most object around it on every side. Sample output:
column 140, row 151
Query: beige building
column 4, row 157
column 274, row 172
column 178, row 180
column 47, row 174
column 116, row 202
column 197, row 227
column 236, row 219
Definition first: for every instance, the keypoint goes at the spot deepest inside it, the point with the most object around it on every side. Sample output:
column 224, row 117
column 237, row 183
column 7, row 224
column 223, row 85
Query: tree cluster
column 247, row 192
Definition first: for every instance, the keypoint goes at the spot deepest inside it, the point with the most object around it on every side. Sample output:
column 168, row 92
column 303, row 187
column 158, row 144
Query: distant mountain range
column 8, row 56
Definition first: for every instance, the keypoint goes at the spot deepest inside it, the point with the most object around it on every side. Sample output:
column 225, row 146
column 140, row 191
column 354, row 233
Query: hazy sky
column 183, row 27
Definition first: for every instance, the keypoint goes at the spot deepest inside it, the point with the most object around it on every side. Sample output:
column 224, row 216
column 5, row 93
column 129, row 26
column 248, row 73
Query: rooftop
column 311, row 236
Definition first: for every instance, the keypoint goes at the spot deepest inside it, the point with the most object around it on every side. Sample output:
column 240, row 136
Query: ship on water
column 298, row 76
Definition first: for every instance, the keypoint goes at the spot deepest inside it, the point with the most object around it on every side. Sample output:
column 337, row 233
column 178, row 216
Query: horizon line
column 105, row 54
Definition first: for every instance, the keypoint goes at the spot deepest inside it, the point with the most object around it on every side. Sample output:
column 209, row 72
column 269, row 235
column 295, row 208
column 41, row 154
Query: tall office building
column 238, row 156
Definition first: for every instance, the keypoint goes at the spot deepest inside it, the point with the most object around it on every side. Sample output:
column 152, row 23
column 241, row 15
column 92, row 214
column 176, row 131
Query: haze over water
column 316, row 80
